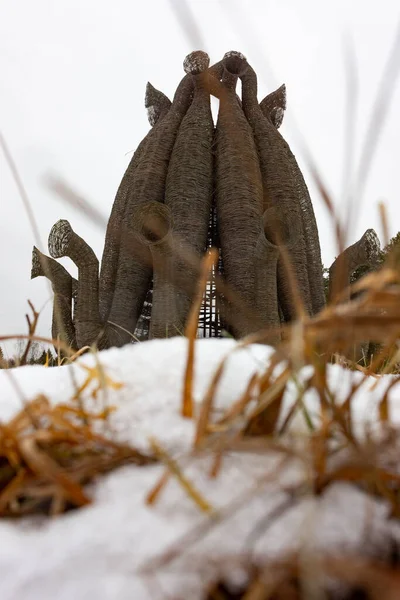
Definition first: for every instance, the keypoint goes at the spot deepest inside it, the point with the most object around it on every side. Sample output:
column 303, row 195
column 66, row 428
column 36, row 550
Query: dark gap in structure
column 143, row 326
column 209, row 323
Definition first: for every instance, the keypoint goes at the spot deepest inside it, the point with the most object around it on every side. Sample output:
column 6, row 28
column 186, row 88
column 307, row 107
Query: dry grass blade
column 377, row 581
column 380, row 111
column 174, row 469
column 350, row 114
column 10, row 491
column 327, row 199
column 288, row 580
column 239, row 406
column 367, row 475
column 384, row 402
column 373, row 315
column 207, row 264
column 43, row 466
column 28, row 208
column 31, row 331
column 293, row 284
column 204, row 416
column 38, row 407
column 70, row 359
column 187, row 22
column 216, row 465
column 192, row 536
column 384, row 222
column 21, row 189
column 271, row 393
column 262, row 421
column 66, row 193
column 155, row 492
column 261, row 588
column 393, row 356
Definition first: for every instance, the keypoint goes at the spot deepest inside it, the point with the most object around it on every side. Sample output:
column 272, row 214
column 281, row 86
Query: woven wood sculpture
column 192, row 184
column 365, row 252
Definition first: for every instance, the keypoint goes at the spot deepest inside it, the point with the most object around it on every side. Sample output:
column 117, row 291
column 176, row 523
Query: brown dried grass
column 48, row 453
column 288, row 580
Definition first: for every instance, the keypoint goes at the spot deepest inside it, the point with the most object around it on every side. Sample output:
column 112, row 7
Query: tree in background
column 39, row 354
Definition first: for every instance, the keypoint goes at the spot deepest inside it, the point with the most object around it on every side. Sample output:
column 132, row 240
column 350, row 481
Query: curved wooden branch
column 311, row 237
column 148, row 184
column 273, row 107
column 62, row 284
column 365, row 251
column 63, row 241
column 238, row 195
column 189, row 184
column 158, row 105
column 281, row 193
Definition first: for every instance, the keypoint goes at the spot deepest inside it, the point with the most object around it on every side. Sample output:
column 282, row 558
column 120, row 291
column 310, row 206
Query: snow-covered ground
column 109, row 550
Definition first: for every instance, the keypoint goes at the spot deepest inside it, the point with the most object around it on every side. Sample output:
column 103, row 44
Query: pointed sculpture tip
column 150, row 94
column 154, row 97
column 196, row 62
column 36, row 268
column 283, row 94
column 372, row 243
column 149, row 102
column 274, row 105
column 155, row 102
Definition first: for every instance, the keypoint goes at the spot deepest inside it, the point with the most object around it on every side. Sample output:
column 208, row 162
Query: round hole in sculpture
column 154, row 222
column 235, row 63
column 276, row 229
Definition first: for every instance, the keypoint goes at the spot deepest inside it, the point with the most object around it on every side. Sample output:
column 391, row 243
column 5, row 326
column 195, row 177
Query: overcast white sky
column 72, row 81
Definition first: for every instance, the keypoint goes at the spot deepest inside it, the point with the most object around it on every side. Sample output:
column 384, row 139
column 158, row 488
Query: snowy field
column 111, row 549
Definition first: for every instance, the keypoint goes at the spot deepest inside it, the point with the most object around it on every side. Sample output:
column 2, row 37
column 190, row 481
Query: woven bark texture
column 63, row 241
column 62, row 284
column 191, row 184
column 238, row 194
column 267, row 256
column 279, row 194
column 112, row 244
column 154, row 227
column 273, row 107
column 148, row 185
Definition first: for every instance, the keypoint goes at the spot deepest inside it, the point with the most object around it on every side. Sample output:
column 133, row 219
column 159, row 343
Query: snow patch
column 100, row 551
